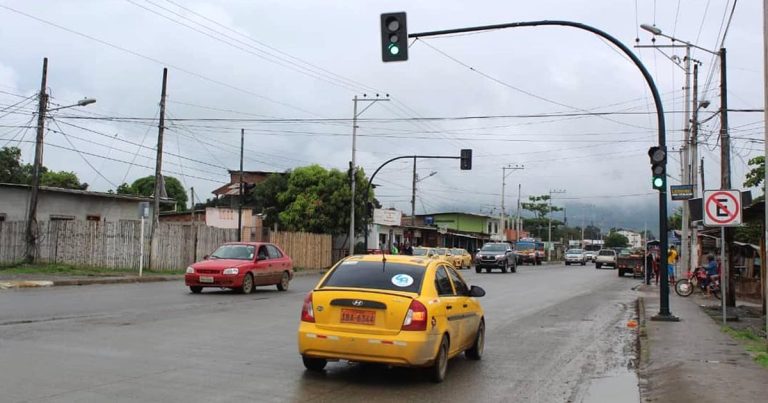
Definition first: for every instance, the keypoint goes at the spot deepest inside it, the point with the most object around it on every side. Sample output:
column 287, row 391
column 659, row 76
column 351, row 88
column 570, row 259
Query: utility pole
column 549, row 236
column 685, row 252
column 729, row 296
column 518, row 223
column 503, row 191
column 694, row 161
column 413, row 197
column 192, row 191
column 42, row 102
column 159, row 183
column 240, row 194
column 352, row 166
column 765, row 156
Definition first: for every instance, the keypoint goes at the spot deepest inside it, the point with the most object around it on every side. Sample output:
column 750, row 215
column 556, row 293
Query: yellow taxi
column 423, row 251
column 445, row 254
column 394, row 310
column 461, row 258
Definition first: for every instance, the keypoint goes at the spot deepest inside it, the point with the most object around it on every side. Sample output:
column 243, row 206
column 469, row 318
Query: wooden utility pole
column 240, row 194
column 729, row 296
column 32, row 210
column 159, row 183
column 413, row 197
column 192, row 191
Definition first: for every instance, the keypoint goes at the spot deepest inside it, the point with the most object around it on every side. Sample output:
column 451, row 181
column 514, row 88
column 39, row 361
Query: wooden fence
column 117, row 245
column 308, row 251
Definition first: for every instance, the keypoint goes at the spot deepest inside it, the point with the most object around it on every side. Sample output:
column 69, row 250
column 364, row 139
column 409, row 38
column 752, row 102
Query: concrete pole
column 685, row 253
column 42, row 107
column 694, row 161
column 503, row 215
column 352, row 180
column 764, row 274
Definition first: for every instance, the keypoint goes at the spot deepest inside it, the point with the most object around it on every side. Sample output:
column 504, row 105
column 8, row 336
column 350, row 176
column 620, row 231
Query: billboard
column 387, row 217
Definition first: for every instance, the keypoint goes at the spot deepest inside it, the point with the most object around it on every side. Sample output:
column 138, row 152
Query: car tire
column 598, row 265
column 247, row 286
column 478, row 269
column 284, row 281
column 504, row 268
column 440, row 366
column 196, row 289
column 567, row 264
column 621, row 273
column 488, row 270
column 538, row 262
column 476, row 351
column 514, row 268
column 583, row 263
column 314, row 364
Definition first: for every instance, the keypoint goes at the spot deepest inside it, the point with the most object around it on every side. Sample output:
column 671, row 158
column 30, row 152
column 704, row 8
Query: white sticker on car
column 349, row 262
column 402, row 280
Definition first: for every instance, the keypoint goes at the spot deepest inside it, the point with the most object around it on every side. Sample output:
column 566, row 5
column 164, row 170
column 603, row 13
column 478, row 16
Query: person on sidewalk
column 712, row 272
column 671, row 261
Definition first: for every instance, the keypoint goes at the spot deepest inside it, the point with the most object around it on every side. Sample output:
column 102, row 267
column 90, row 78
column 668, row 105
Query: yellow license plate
column 357, row 316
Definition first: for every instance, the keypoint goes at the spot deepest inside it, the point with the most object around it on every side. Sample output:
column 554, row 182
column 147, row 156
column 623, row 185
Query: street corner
column 5, row 285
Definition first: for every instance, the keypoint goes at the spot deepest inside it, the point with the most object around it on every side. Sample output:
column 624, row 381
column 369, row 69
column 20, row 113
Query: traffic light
column 658, row 167
column 466, row 159
column 394, row 37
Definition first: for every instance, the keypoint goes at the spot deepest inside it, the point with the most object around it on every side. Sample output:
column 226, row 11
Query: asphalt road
column 554, row 334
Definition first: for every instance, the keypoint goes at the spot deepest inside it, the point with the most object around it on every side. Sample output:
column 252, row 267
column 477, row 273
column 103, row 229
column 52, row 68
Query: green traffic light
column 393, row 49
column 658, row 182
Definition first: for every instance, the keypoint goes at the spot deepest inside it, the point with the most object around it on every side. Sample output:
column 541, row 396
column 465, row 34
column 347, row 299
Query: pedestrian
column 394, row 250
column 650, row 263
column 671, row 261
column 408, row 249
column 713, row 270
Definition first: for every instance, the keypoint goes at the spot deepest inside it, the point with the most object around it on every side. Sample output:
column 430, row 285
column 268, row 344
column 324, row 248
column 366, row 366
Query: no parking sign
column 722, row 208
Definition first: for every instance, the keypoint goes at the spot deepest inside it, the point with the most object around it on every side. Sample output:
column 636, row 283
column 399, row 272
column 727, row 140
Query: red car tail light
column 307, row 311
column 416, row 318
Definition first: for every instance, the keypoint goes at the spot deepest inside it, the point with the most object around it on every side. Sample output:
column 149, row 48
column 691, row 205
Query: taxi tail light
column 416, row 318
column 307, row 311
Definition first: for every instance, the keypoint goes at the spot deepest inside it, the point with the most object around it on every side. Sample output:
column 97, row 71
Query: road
column 554, row 334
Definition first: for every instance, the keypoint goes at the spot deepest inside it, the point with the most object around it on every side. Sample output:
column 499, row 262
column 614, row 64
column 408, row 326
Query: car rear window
column 607, row 253
column 376, row 275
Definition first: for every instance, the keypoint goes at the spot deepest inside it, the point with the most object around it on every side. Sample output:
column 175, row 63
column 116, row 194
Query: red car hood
column 219, row 263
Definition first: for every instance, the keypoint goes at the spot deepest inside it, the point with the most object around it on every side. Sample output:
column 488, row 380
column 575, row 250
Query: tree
column 12, row 170
column 756, row 175
column 540, row 206
column 616, row 240
column 62, row 179
column 146, row 187
column 676, row 219
column 264, row 197
column 591, row 232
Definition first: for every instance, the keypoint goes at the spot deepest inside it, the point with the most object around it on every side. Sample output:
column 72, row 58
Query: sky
column 287, row 72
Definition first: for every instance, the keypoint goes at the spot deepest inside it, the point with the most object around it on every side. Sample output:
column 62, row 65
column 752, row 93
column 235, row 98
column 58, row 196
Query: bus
column 530, row 251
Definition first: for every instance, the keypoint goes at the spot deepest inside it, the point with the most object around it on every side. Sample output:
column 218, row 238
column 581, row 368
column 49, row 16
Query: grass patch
column 69, row 270
column 754, row 344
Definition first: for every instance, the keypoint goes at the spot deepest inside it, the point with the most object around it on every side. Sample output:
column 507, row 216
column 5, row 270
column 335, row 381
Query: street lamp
column 31, row 235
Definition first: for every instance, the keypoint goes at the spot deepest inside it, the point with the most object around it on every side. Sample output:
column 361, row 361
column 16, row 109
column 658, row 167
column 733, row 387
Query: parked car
column 461, row 258
column 575, row 256
column 400, row 311
column 496, row 255
column 606, row 257
column 629, row 261
column 241, row 266
column 444, row 253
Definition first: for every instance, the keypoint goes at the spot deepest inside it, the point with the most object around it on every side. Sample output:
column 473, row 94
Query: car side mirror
column 476, row 291
column 205, row 257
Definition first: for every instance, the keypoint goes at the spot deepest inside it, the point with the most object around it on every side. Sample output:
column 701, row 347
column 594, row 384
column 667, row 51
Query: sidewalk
column 692, row 360
column 37, row 280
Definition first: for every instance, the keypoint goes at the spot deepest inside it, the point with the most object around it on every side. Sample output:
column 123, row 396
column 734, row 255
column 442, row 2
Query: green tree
column 676, row 219
column 11, row 169
column 616, row 240
column 146, row 187
column 62, row 179
column 540, row 206
column 264, row 197
column 591, row 232
column 756, row 175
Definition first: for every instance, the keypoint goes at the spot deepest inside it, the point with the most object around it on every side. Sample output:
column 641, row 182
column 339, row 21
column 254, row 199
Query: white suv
column 576, row 256
column 606, row 257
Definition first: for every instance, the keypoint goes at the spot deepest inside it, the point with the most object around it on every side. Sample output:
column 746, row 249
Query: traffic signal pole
column 664, row 312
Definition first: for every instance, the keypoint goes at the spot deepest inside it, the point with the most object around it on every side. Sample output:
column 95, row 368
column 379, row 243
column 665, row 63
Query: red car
column 241, row 266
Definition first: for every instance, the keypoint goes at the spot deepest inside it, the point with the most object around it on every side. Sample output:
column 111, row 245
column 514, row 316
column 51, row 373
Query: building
column 221, row 217
column 635, row 239
column 249, row 178
column 58, row 204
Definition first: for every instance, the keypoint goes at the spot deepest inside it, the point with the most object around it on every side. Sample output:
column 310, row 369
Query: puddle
column 620, row 388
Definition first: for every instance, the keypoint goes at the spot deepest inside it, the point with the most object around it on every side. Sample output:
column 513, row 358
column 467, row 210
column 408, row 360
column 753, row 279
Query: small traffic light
column 466, row 159
column 658, row 167
column 394, row 37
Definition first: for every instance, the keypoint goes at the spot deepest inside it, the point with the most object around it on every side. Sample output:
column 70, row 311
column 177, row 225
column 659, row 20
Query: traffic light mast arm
column 664, row 313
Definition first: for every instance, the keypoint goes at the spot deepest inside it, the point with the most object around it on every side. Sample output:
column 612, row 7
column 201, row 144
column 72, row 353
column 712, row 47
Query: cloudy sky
column 287, row 71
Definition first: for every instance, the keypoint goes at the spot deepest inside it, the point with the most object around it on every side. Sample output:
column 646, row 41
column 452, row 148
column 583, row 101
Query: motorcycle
column 698, row 280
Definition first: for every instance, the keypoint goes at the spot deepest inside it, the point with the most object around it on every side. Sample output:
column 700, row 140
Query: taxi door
column 468, row 308
column 451, row 304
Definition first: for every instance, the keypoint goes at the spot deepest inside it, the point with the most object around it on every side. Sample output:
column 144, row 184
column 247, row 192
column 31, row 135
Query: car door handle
column 449, row 307
column 465, row 305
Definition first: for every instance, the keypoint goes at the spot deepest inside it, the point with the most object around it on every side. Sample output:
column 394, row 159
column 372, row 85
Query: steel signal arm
column 664, row 313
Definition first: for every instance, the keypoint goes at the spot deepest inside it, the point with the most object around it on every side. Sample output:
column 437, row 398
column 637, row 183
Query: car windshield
column 441, row 251
column 625, row 252
column 574, row 251
column 241, row 252
column 457, row 251
column 420, row 251
column 494, row 247
column 378, row 275
column 524, row 246
column 607, row 253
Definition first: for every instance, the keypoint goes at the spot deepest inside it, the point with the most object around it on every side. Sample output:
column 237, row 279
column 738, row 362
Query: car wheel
column 314, row 364
column 478, row 269
column 438, row 369
column 567, row 264
column 196, row 289
column 598, row 265
column 488, row 270
column 514, row 268
column 476, row 351
column 283, row 284
column 247, row 286
column 583, row 263
column 504, row 267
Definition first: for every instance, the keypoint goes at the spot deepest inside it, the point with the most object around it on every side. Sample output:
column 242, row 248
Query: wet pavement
column 554, row 334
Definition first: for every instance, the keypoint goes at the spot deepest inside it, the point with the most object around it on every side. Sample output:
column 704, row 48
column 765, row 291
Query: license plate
column 358, row 316
column 204, row 279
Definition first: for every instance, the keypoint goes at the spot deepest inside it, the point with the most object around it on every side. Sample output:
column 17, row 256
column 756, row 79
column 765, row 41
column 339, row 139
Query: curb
column 643, row 352
column 4, row 285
